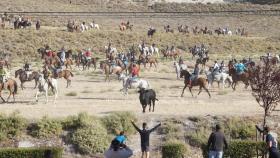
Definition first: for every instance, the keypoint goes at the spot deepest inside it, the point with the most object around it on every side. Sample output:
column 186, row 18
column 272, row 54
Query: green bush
column 75, row 122
column 45, row 128
column 174, row 150
column 54, row 152
column 238, row 149
column 91, row 139
column 11, row 126
column 239, row 129
column 199, row 137
column 119, row 121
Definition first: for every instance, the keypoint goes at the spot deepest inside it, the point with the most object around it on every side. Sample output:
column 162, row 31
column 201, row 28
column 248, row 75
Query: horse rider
column 134, row 74
column 83, row 26
column 62, row 55
column 194, row 75
column 47, row 74
column 109, row 48
column 239, row 67
column 3, row 74
column 222, row 67
column 27, row 69
column 216, row 67
column 172, row 49
column 181, row 61
column 88, row 55
column 268, row 55
column 57, row 68
column 38, row 25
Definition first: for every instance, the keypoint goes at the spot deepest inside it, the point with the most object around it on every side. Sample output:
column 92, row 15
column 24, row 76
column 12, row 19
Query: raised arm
column 135, row 126
column 151, row 130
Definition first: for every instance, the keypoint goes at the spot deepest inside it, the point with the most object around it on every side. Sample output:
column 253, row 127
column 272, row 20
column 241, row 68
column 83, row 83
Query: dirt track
column 98, row 97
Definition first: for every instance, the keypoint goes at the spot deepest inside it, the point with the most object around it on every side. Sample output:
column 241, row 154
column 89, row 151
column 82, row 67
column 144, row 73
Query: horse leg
column 36, row 83
column 183, row 90
column 36, row 96
column 191, row 91
column 200, row 89
column 207, row 91
column 153, row 105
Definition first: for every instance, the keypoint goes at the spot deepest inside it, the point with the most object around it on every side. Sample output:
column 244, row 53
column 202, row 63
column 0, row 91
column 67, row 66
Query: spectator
column 271, row 143
column 145, row 138
column 216, row 142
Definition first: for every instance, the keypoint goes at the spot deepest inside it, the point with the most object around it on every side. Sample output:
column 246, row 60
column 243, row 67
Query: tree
column 265, row 84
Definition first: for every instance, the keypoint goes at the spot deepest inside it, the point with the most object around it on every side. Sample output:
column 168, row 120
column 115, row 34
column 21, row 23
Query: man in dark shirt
column 145, row 138
column 216, row 143
column 271, row 143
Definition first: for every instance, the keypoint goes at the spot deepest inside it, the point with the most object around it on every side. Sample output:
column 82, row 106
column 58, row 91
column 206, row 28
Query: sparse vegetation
column 71, row 94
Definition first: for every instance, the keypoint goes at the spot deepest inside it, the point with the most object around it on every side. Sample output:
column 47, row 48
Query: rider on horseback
column 88, row 55
column 27, row 69
column 239, row 67
column 3, row 74
column 134, row 75
column 194, row 75
column 62, row 55
column 57, row 69
column 47, row 75
column 222, row 67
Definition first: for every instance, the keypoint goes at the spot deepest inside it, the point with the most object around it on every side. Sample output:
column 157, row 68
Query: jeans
column 215, row 154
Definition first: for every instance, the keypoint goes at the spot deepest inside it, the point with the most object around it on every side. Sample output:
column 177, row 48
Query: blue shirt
column 120, row 138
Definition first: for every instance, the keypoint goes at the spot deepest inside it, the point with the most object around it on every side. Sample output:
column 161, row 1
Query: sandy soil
column 99, row 98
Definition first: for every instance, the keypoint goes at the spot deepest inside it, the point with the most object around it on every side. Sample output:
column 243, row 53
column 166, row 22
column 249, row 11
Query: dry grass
column 71, row 94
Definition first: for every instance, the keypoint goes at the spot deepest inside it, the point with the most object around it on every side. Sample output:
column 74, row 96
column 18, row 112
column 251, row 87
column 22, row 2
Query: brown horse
column 171, row 54
column 23, row 77
column 66, row 74
column 152, row 61
column 106, row 67
column 244, row 77
column 68, row 62
column 11, row 86
column 201, row 82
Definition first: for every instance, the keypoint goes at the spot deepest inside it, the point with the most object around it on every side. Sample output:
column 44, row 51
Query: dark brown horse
column 148, row 60
column 66, row 74
column 201, row 82
column 244, row 77
column 11, row 86
column 23, row 77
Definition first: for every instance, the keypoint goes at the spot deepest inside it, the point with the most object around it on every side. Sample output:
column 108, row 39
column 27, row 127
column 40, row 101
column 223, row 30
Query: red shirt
column 134, row 72
column 50, row 54
column 88, row 54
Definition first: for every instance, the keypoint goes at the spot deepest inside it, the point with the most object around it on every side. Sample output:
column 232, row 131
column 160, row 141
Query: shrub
column 199, row 137
column 11, row 126
column 54, row 152
column 45, row 128
column 171, row 130
column 239, row 129
column 71, row 94
column 91, row 139
column 119, row 121
column 75, row 122
column 238, row 149
column 174, row 150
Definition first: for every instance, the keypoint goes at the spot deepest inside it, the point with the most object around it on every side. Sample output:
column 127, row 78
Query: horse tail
column 15, row 87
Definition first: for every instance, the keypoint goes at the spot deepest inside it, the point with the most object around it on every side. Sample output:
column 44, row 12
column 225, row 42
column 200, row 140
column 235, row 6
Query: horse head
column 184, row 73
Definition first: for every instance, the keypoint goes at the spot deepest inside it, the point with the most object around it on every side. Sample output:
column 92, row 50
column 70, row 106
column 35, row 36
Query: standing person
column 216, row 142
column 271, row 143
column 145, row 138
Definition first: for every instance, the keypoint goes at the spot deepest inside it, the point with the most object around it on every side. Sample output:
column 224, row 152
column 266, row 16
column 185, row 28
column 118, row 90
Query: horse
column 168, row 29
column 201, row 82
column 148, row 59
column 24, row 77
column 154, row 50
column 171, row 54
column 11, row 86
column 44, row 87
column 94, row 26
column 178, row 68
column 66, row 74
column 244, row 77
column 144, row 50
column 104, row 65
column 151, row 32
column 140, row 83
column 87, row 63
column 219, row 77
column 202, row 61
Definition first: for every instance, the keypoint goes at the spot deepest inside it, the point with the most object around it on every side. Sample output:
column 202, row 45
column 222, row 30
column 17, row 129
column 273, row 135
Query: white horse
column 219, row 77
column 94, row 26
column 112, row 50
column 145, row 50
column 178, row 68
column 154, row 50
column 44, row 87
column 127, row 83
